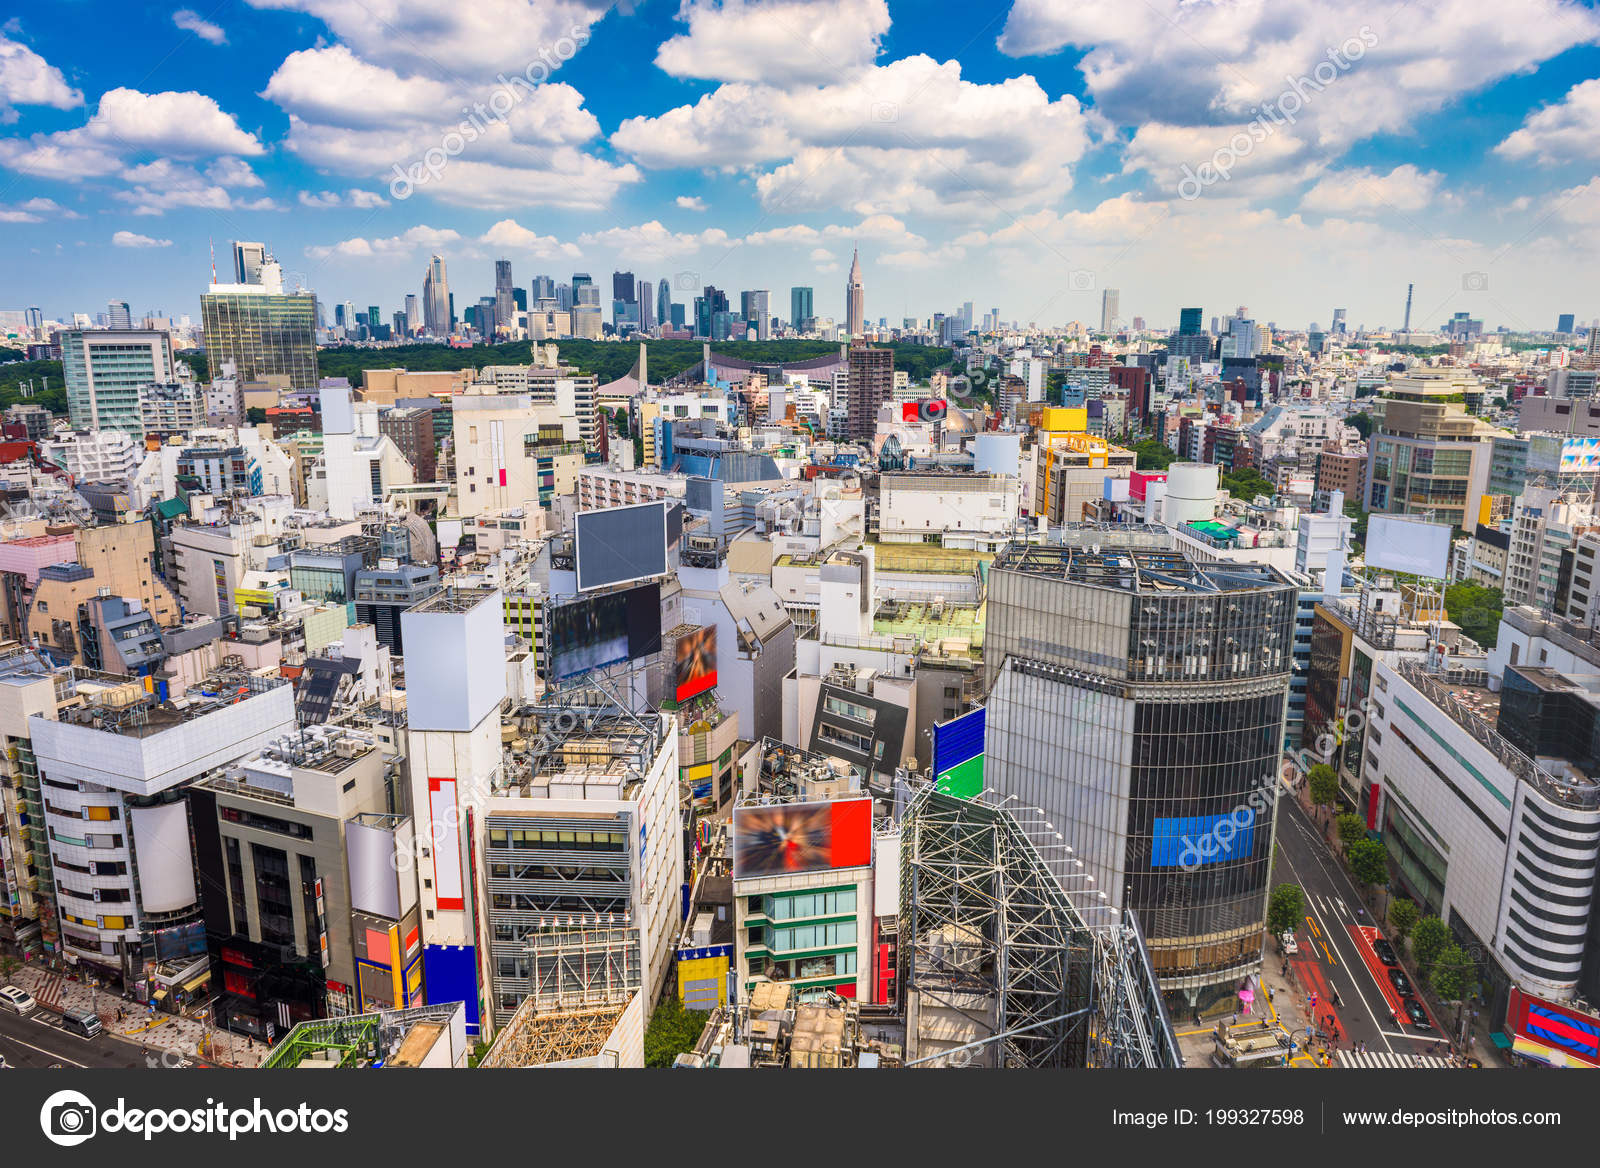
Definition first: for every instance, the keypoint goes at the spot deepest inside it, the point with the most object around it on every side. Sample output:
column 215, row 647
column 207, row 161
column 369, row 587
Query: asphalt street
column 1330, row 961
column 38, row 1041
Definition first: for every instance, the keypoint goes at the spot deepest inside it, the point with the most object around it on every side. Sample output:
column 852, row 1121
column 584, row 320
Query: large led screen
column 696, row 669
column 617, row 545
column 784, row 839
column 598, row 631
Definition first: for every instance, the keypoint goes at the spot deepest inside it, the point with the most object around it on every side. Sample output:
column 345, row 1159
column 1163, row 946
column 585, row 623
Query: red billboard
column 790, row 838
column 929, row 410
column 1551, row 1033
column 696, row 669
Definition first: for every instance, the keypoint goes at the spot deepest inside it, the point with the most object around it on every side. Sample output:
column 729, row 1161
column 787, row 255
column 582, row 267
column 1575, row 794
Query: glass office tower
column 269, row 336
column 1138, row 698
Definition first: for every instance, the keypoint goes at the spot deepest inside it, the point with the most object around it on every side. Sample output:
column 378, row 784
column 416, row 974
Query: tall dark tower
column 1407, row 326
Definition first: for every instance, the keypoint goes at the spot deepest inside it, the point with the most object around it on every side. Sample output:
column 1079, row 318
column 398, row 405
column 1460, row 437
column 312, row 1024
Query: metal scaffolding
column 538, row 1036
column 999, row 967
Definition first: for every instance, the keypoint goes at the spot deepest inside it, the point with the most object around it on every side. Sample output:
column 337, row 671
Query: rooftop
column 1141, row 570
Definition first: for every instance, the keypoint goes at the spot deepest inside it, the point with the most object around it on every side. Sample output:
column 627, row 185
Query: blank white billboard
column 1402, row 544
column 618, row 545
column 166, row 863
column 374, row 886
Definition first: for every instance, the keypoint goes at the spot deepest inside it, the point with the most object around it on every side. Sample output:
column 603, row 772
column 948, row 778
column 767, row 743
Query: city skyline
column 1355, row 167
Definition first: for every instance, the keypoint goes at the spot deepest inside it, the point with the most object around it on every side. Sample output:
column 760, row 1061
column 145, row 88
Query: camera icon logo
column 1475, row 281
column 1080, row 280
column 686, row 281
column 68, row 1118
column 885, row 111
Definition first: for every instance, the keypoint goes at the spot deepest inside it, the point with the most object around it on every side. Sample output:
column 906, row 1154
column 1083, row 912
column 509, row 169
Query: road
column 1330, row 961
column 39, row 1041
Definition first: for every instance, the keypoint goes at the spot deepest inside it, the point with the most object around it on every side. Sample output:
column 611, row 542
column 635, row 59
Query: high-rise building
column 1339, row 324
column 711, row 301
column 664, row 303
column 103, row 374
column 1429, row 456
column 1189, row 322
column 1138, row 698
column 646, row 306
column 1564, row 322
column 542, row 288
column 118, row 315
column 755, row 307
column 505, row 309
column 375, row 323
column 248, row 260
column 623, row 287
column 1109, row 310
column 855, row 299
column 870, row 381
column 801, row 310
column 35, row 324
column 413, row 313
column 268, row 336
column 436, row 307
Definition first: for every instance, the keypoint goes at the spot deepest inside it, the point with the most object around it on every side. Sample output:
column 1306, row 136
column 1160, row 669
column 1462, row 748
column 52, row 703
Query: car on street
column 1415, row 1012
column 1287, row 943
column 18, row 1001
column 1401, row 983
column 1385, row 951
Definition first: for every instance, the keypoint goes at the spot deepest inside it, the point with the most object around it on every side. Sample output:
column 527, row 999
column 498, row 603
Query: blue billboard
column 1194, row 840
column 958, row 754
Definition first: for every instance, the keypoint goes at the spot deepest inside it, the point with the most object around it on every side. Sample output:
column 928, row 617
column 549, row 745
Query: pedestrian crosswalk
column 1389, row 1060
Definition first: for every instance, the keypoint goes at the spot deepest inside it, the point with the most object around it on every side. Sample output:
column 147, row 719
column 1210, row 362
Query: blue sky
column 1023, row 155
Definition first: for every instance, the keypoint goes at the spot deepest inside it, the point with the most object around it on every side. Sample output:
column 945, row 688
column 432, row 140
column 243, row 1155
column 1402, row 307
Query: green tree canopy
column 1246, row 483
column 1453, row 973
column 1476, row 610
column 1428, row 940
column 1324, row 784
column 673, row 1029
column 1352, row 829
column 1362, row 422
column 1285, row 907
column 1153, row 455
column 1369, row 862
column 1403, row 915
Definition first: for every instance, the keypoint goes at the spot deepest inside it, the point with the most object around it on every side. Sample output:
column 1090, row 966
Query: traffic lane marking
column 46, row 1053
column 1366, row 1005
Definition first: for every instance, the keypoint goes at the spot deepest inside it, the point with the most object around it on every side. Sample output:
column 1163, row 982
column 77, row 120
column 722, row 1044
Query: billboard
column 596, row 631
column 789, row 838
column 958, row 754
column 1552, row 1033
column 1401, row 544
column 618, row 545
column 696, row 669
column 166, row 862
column 1193, row 840
column 1580, row 456
column 929, row 410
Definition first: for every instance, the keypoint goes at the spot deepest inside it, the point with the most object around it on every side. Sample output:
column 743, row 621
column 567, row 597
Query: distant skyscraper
column 542, row 288
column 855, row 299
column 436, row 307
column 248, row 260
column 647, row 309
column 118, row 315
column 1339, row 325
column 505, row 308
column 413, row 313
column 1189, row 322
column 1108, row 310
column 348, row 317
column 563, row 296
column 755, row 307
column 664, row 303
column 1564, row 322
column 800, row 307
column 488, row 316
column 623, row 286
column 36, row 323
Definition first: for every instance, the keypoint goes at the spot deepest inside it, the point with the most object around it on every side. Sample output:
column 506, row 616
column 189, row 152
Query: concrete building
column 104, row 370
column 270, row 849
column 1429, row 456
column 112, row 769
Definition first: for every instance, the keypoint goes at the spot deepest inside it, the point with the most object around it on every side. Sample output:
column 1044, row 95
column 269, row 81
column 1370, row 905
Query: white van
column 18, row 1001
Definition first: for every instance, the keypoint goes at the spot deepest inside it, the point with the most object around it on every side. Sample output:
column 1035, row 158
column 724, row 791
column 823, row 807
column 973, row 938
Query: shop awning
column 161, row 993
column 195, row 983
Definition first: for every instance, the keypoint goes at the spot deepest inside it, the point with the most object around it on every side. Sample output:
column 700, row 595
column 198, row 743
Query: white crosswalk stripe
column 1389, row 1060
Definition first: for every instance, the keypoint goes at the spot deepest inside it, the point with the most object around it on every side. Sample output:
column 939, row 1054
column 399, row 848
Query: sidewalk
column 160, row 1034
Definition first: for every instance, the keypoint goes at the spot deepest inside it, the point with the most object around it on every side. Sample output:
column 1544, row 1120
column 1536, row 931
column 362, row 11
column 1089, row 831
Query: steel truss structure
column 537, row 1036
column 988, row 935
